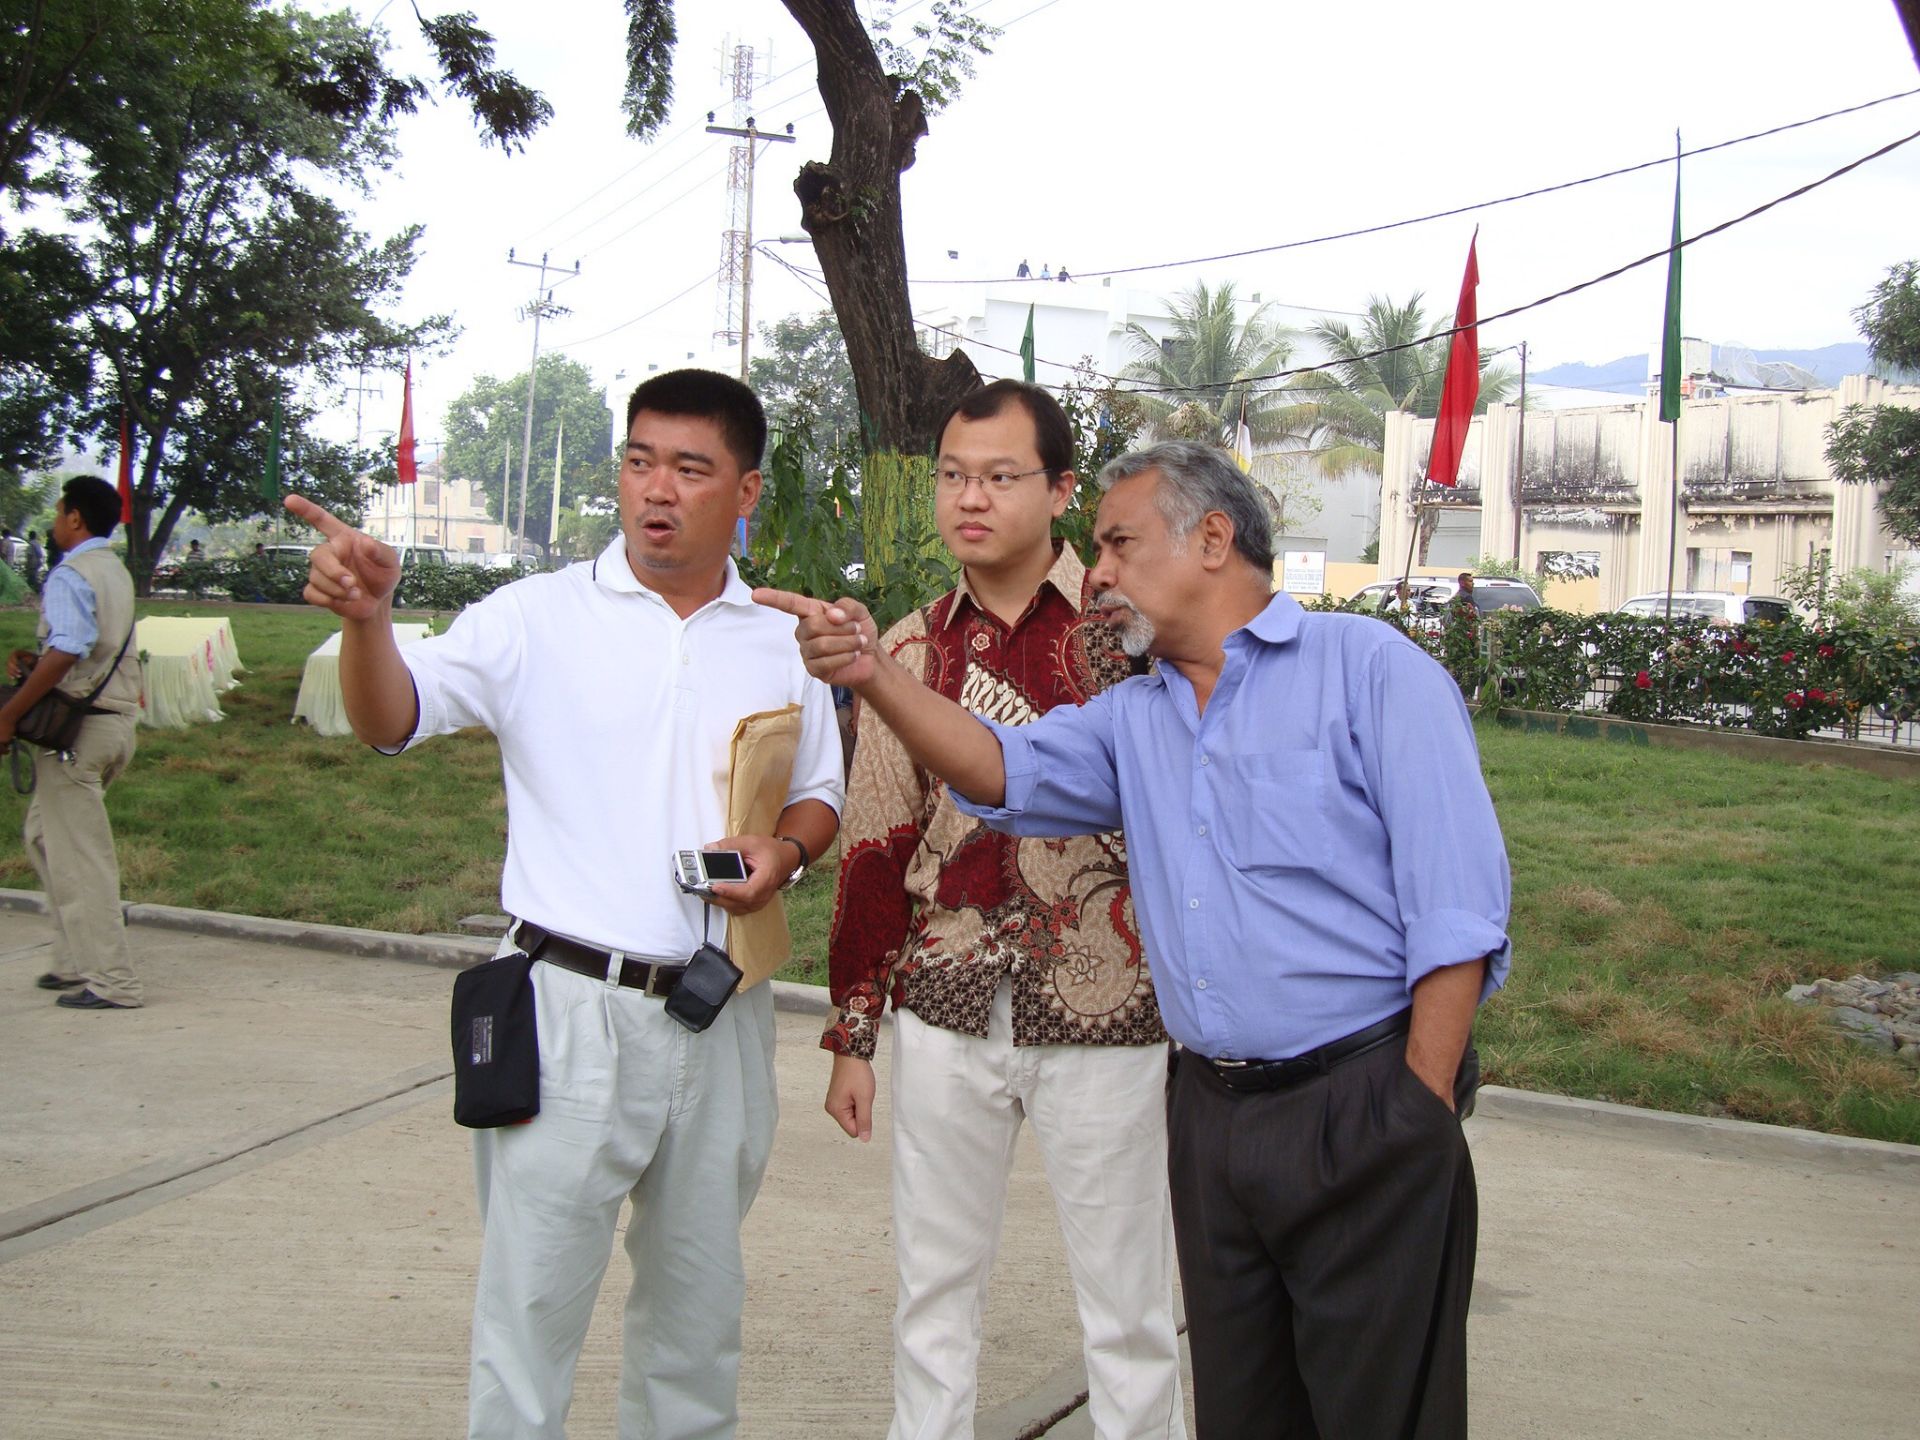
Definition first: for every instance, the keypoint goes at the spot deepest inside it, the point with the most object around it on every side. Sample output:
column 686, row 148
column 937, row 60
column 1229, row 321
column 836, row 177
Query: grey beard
column 1135, row 634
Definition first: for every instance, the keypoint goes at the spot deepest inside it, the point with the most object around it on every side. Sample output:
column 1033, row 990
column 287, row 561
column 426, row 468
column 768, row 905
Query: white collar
column 612, row 570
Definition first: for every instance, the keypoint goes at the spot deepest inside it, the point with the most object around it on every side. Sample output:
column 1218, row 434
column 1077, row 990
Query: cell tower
column 733, row 240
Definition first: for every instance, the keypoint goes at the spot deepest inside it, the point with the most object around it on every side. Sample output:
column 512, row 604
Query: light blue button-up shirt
column 1303, row 853
column 70, row 606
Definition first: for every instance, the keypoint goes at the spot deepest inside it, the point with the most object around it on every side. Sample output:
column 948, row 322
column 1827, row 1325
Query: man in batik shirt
column 1015, row 968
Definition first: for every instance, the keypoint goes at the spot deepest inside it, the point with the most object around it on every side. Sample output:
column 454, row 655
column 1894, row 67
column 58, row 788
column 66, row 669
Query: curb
column 450, row 952
column 457, row 952
column 1707, row 1132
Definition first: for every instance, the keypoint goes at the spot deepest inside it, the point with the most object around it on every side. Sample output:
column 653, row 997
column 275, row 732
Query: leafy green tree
column 1343, row 409
column 1880, row 444
column 1213, row 364
column 1875, row 600
column 484, row 427
column 221, row 272
column 803, row 377
column 66, row 64
column 44, row 367
column 1210, row 373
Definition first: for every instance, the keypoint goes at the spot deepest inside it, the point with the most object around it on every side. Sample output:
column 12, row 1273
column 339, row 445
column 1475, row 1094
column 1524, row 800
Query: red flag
column 1463, row 380
column 408, row 474
column 126, row 473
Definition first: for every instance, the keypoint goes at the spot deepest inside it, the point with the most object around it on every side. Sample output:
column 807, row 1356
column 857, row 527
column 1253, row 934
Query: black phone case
column 709, row 982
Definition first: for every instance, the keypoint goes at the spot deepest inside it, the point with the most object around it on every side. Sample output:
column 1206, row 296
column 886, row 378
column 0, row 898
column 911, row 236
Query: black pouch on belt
column 496, row 1044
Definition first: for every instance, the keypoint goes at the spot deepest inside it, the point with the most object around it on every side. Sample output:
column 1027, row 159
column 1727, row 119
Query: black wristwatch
column 800, row 870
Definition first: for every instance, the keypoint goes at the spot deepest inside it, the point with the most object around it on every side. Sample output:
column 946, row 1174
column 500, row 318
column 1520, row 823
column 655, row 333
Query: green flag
column 270, row 477
column 1026, row 350
column 1671, row 364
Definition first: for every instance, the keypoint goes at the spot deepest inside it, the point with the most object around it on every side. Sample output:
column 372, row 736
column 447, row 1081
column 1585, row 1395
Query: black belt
column 1279, row 1074
column 658, row 980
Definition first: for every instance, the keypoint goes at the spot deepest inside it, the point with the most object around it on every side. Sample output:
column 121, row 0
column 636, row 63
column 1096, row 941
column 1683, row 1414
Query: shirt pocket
column 1273, row 811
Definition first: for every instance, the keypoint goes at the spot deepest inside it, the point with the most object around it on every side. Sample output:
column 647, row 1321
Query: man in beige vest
column 86, row 615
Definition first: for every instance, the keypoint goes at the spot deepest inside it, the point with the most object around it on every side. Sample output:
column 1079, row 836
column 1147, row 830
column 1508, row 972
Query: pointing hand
column 351, row 573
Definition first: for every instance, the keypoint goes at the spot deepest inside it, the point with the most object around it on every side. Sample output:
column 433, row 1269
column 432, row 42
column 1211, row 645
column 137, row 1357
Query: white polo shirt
column 615, row 719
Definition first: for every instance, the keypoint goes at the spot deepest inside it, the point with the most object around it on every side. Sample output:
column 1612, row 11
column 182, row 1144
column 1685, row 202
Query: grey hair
column 1197, row 479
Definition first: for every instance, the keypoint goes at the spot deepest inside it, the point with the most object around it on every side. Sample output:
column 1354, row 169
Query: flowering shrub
column 1790, row 679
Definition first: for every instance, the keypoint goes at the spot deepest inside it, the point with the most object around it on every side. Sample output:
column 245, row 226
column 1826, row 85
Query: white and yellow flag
column 1243, row 448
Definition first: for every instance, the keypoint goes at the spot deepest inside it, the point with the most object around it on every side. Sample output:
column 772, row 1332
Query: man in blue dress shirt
column 1323, row 891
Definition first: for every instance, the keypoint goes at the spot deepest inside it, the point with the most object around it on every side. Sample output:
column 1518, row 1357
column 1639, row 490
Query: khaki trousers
column 70, row 843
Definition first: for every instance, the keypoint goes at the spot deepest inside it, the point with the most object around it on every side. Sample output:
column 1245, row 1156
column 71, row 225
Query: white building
column 1755, row 493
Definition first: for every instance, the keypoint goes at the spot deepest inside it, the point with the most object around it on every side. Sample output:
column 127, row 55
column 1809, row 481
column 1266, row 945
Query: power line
column 692, row 127
column 1612, row 274
column 644, row 314
column 1457, row 210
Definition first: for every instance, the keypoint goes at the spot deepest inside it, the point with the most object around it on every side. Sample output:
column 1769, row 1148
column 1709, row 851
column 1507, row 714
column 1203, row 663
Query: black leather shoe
column 87, row 1000
column 51, row 981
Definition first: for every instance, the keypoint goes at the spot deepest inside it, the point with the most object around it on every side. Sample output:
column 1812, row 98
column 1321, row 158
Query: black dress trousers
column 1326, row 1239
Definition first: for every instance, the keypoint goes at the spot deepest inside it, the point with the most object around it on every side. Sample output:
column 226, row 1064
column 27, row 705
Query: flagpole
column 1413, row 539
column 1673, row 515
column 1672, row 362
column 1520, row 456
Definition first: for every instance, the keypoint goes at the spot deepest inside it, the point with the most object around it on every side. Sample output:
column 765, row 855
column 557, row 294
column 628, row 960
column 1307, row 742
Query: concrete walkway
column 244, row 1211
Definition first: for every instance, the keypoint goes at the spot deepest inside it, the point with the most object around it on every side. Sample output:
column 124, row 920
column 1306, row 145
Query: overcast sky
column 1114, row 133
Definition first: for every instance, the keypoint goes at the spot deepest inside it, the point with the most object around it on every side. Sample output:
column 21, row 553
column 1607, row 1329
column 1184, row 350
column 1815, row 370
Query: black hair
column 95, row 501
column 1052, row 431
column 707, row 395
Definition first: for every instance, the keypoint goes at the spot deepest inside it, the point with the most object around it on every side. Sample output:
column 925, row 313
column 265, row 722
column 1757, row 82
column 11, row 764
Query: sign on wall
column 1303, row 572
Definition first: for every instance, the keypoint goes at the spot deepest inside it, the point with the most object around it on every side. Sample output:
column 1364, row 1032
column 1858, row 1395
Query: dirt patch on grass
column 1588, row 900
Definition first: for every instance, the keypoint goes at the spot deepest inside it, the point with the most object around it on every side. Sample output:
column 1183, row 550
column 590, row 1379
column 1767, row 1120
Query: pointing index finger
column 322, row 520
column 798, row 606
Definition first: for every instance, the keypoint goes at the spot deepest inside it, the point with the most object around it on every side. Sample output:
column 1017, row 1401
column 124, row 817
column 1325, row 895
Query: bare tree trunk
column 1909, row 11
column 851, row 208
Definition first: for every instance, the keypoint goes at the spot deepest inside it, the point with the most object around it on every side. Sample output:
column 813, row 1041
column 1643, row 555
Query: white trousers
column 1099, row 1113
column 632, row 1106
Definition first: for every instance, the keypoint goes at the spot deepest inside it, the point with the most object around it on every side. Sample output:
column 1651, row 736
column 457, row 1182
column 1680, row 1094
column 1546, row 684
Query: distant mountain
column 1628, row 374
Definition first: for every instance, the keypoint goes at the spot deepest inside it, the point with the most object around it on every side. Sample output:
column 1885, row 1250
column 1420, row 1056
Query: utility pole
column 736, row 242
column 542, row 306
column 360, row 390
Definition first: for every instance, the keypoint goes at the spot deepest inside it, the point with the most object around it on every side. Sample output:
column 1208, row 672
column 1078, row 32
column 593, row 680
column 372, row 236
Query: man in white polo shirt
column 615, row 688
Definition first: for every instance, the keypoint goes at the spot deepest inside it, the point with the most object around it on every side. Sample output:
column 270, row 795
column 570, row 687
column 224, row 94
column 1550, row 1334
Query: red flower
column 1643, row 680
column 1815, row 693
column 1825, row 652
column 1796, row 699
column 1786, row 657
column 1741, row 647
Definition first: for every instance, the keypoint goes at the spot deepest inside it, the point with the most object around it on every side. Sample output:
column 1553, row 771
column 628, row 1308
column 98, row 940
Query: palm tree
column 1343, row 409
column 1211, row 366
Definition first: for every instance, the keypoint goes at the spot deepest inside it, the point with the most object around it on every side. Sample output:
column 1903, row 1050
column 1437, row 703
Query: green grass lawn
column 1663, row 899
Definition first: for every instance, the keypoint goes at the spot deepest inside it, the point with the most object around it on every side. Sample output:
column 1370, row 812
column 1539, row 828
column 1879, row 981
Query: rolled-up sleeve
column 69, row 606
column 1061, row 774
column 1449, row 859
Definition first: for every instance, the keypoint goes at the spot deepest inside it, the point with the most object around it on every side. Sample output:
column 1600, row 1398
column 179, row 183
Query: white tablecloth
column 319, row 702
column 186, row 661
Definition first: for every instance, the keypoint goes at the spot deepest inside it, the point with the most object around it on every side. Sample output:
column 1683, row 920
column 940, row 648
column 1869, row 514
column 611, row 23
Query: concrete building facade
column 1593, row 489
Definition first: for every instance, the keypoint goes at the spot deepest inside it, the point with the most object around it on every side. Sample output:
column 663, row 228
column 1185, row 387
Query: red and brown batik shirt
column 934, row 907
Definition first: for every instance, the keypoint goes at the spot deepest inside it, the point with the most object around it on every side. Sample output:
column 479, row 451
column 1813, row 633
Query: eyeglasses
column 998, row 482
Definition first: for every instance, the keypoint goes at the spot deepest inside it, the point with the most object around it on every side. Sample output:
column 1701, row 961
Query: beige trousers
column 70, row 843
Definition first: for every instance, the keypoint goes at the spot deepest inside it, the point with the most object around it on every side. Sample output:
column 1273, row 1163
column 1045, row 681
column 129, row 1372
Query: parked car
column 412, row 557
column 1431, row 595
column 1716, row 607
